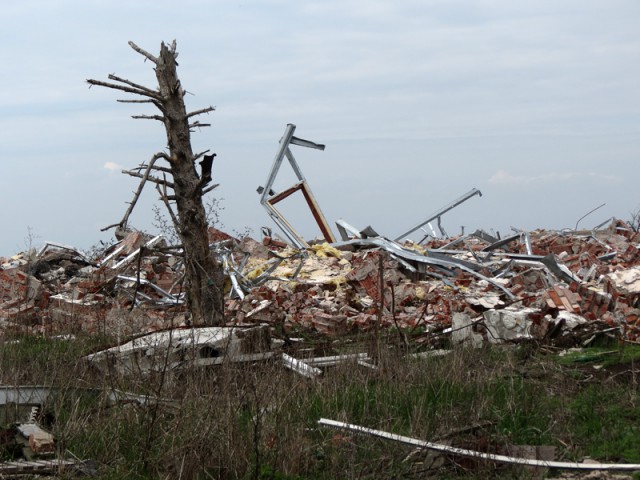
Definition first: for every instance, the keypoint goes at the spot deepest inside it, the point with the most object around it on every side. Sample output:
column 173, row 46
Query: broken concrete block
column 626, row 282
column 463, row 331
column 183, row 348
column 508, row 324
column 39, row 441
column 486, row 301
column 571, row 320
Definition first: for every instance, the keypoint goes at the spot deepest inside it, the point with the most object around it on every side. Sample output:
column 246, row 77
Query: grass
column 606, row 423
column 607, row 357
column 258, row 421
column 29, row 359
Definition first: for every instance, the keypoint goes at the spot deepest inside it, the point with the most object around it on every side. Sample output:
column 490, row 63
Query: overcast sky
column 535, row 103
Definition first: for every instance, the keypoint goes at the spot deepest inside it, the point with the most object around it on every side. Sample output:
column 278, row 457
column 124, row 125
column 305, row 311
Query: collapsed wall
column 539, row 284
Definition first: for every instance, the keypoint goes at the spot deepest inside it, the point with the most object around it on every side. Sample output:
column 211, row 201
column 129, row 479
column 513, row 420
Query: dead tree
column 204, row 276
column 634, row 221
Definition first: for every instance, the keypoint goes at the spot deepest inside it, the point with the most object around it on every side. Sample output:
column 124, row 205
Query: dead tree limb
column 154, row 168
column 145, row 177
column 165, row 199
column 148, row 117
column 199, row 154
column 131, row 84
column 115, row 86
column 143, row 52
column 198, row 124
column 200, row 112
column 204, row 275
column 148, row 178
column 209, row 188
column 134, row 101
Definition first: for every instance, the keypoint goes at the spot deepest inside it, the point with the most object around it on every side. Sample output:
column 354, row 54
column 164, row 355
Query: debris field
column 555, row 286
column 551, row 286
column 565, row 288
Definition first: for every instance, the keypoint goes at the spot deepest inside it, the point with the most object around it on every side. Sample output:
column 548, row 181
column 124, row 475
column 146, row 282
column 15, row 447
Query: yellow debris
column 415, row 247
column 325, row 250
column 338, row 281
column 255, row 273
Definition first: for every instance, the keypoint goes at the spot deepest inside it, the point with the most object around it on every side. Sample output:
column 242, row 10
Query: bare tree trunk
column 204, row 276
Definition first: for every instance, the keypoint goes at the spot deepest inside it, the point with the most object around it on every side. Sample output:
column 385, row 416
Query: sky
column 534, row 103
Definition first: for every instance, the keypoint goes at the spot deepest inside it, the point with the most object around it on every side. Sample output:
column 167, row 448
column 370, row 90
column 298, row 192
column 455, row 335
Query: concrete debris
column 38, row 441
column 509, row 324
column 35, row 468
column 465, row 330
column 563, row 288
column 26, row 442
column 185, row 347
column 300, row 367
column 541, row 285
column 26, row 448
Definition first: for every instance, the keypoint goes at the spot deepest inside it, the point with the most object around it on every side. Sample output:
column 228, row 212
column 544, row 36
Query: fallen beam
column 437, row 214
column 300, row 367
column 475, row 454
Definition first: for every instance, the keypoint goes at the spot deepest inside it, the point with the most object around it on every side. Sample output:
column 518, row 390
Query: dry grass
column 259, row 420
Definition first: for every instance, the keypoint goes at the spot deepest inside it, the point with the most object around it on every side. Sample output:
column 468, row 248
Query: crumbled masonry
column 557, row 287
column 568, row 288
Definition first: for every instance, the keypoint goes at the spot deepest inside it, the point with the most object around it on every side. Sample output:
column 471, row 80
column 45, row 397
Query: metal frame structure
column 439, row 213
column 269, row 198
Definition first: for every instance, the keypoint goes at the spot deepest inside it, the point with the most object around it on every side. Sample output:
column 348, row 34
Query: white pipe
column 472, row 453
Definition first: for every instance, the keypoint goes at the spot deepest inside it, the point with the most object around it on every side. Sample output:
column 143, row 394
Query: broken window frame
column 269, row 198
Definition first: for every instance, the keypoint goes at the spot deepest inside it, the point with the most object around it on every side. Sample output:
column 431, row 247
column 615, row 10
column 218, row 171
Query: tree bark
column 204, row 276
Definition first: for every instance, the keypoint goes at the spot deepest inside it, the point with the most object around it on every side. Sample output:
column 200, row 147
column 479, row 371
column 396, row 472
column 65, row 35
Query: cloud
column 113, row 167
column 504, row 177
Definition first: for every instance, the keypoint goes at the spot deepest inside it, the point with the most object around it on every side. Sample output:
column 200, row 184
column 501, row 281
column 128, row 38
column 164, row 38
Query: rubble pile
column 545, row 285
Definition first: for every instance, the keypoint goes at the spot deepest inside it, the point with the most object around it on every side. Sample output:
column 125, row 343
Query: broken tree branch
column 143, row 52
column 152, row 101
column 104, row 229
column 165, row 200
column 209, row 188
column 149, row 178
column 136, row 195
column 135, row 101
column 206, row 165
column 145, row 177
column 156, row 168
column 115, row 86
column 131, row 84
column 200, row 112
column 198, row 124
column 148, row 117
column 199, row 154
